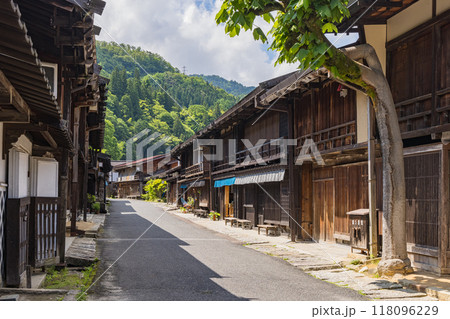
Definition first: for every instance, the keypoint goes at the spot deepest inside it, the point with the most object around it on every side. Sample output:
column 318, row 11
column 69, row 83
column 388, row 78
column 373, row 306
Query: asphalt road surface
column 178, row 260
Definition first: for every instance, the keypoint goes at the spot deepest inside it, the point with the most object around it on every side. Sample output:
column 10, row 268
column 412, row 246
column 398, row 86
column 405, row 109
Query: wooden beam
column 12, row 116
column 48, row 137
column 15, row 98
column 283, row 109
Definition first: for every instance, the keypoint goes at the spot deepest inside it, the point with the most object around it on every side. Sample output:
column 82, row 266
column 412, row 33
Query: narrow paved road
column 177, row 260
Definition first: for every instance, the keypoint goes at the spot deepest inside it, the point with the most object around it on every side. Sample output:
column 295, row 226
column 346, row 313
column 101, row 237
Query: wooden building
column 312, row 200
column 49, row 87
column 132, row 176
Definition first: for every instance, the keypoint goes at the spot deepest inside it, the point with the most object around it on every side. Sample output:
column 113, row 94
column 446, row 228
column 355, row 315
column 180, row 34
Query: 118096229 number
column 381, row 310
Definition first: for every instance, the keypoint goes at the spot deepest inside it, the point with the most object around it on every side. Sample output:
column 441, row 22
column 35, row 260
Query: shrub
column 96, row 207
column 214, row 215
column 154, row 189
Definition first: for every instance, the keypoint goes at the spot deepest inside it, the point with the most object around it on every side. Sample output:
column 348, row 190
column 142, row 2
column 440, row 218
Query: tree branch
column 366, row 52
column 273, row 6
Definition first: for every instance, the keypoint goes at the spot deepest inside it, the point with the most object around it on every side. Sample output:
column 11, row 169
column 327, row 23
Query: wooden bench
column 267, row 228
column 244, row 223
column 232, row 220
column 283, row 225
column 133, row 196
column 201, row 213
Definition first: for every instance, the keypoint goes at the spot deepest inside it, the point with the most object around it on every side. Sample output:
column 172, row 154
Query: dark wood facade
column 48, row 62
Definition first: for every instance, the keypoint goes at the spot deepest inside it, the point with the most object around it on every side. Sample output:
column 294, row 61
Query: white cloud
column 185, row 34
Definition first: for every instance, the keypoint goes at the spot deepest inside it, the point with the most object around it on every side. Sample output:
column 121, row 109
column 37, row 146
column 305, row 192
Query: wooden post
column 64, row 172
column 63, row 195
column 373, row 224
column 211, row 185
column 28, row 272
column 85, row 190
column 75, row 192
column 293, row 219
column 85, row 149
column 444, row 209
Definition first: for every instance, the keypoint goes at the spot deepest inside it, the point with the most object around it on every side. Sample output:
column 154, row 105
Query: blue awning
column 184, row 186
column 225, row 182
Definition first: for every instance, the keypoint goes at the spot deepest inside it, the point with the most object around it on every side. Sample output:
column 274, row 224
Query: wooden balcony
column 198, row 169
column 332, row 138
column 269, row 151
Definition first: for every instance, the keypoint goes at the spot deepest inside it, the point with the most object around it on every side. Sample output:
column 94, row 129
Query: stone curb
column 319, row 267
column 439, row 293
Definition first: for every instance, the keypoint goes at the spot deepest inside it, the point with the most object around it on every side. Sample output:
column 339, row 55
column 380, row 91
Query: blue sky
column 185, row 34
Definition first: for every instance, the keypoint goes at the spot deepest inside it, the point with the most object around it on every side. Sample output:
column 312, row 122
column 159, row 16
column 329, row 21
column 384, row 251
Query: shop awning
column 198, row 184
column 225, row 182
column 184, row 186
column 264, row 177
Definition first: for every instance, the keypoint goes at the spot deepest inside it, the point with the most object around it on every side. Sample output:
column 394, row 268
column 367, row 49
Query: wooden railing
column 270, row 150
column 196, row 169
column 417, row 115
column 332, row 138
column 44, row 231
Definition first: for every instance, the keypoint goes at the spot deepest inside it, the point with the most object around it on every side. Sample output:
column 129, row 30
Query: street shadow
column 156, row 267
column 121, row 206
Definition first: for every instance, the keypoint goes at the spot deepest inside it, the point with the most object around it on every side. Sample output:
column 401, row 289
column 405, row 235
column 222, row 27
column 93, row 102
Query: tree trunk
column 394, row 257
column 394, row 213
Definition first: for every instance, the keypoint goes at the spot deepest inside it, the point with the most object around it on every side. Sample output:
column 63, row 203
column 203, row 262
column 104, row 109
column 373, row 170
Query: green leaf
column 301, row 54
column 325, row 11
column 335, row 3
column 335, row 71
column 329, row 27
column 268, row 17
column 321, row 48
column 303, row 3
column 258, row 34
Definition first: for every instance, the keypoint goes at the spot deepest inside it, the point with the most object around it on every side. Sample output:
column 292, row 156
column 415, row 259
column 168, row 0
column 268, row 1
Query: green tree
column 154, row 190
column 216, row 111
column 125, row 107
column 298, row 33
column 118, row 84
column 112, row 146
column 178, row 128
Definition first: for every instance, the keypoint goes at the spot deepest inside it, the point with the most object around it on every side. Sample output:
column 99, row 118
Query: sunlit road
column 177, row 260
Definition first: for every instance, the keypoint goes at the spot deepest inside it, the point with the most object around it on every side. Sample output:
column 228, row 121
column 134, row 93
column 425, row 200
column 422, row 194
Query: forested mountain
column 111, row 55
column 164, row 101
column 232, row 87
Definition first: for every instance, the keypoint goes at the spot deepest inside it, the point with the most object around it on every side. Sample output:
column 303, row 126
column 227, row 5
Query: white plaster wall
column 44, row 177
column 2, row 160
column 376, row 37
column 409, row 18
column 18, row 180
column 442, row 6
column 361, row 117
column 18, row 168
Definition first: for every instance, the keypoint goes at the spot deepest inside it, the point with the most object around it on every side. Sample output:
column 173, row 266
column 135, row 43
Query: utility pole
column 184, row 70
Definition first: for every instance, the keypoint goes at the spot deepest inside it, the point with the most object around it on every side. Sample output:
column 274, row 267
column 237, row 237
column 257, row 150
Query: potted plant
column 191, row 203
column 96, row 207
column 214, row 215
